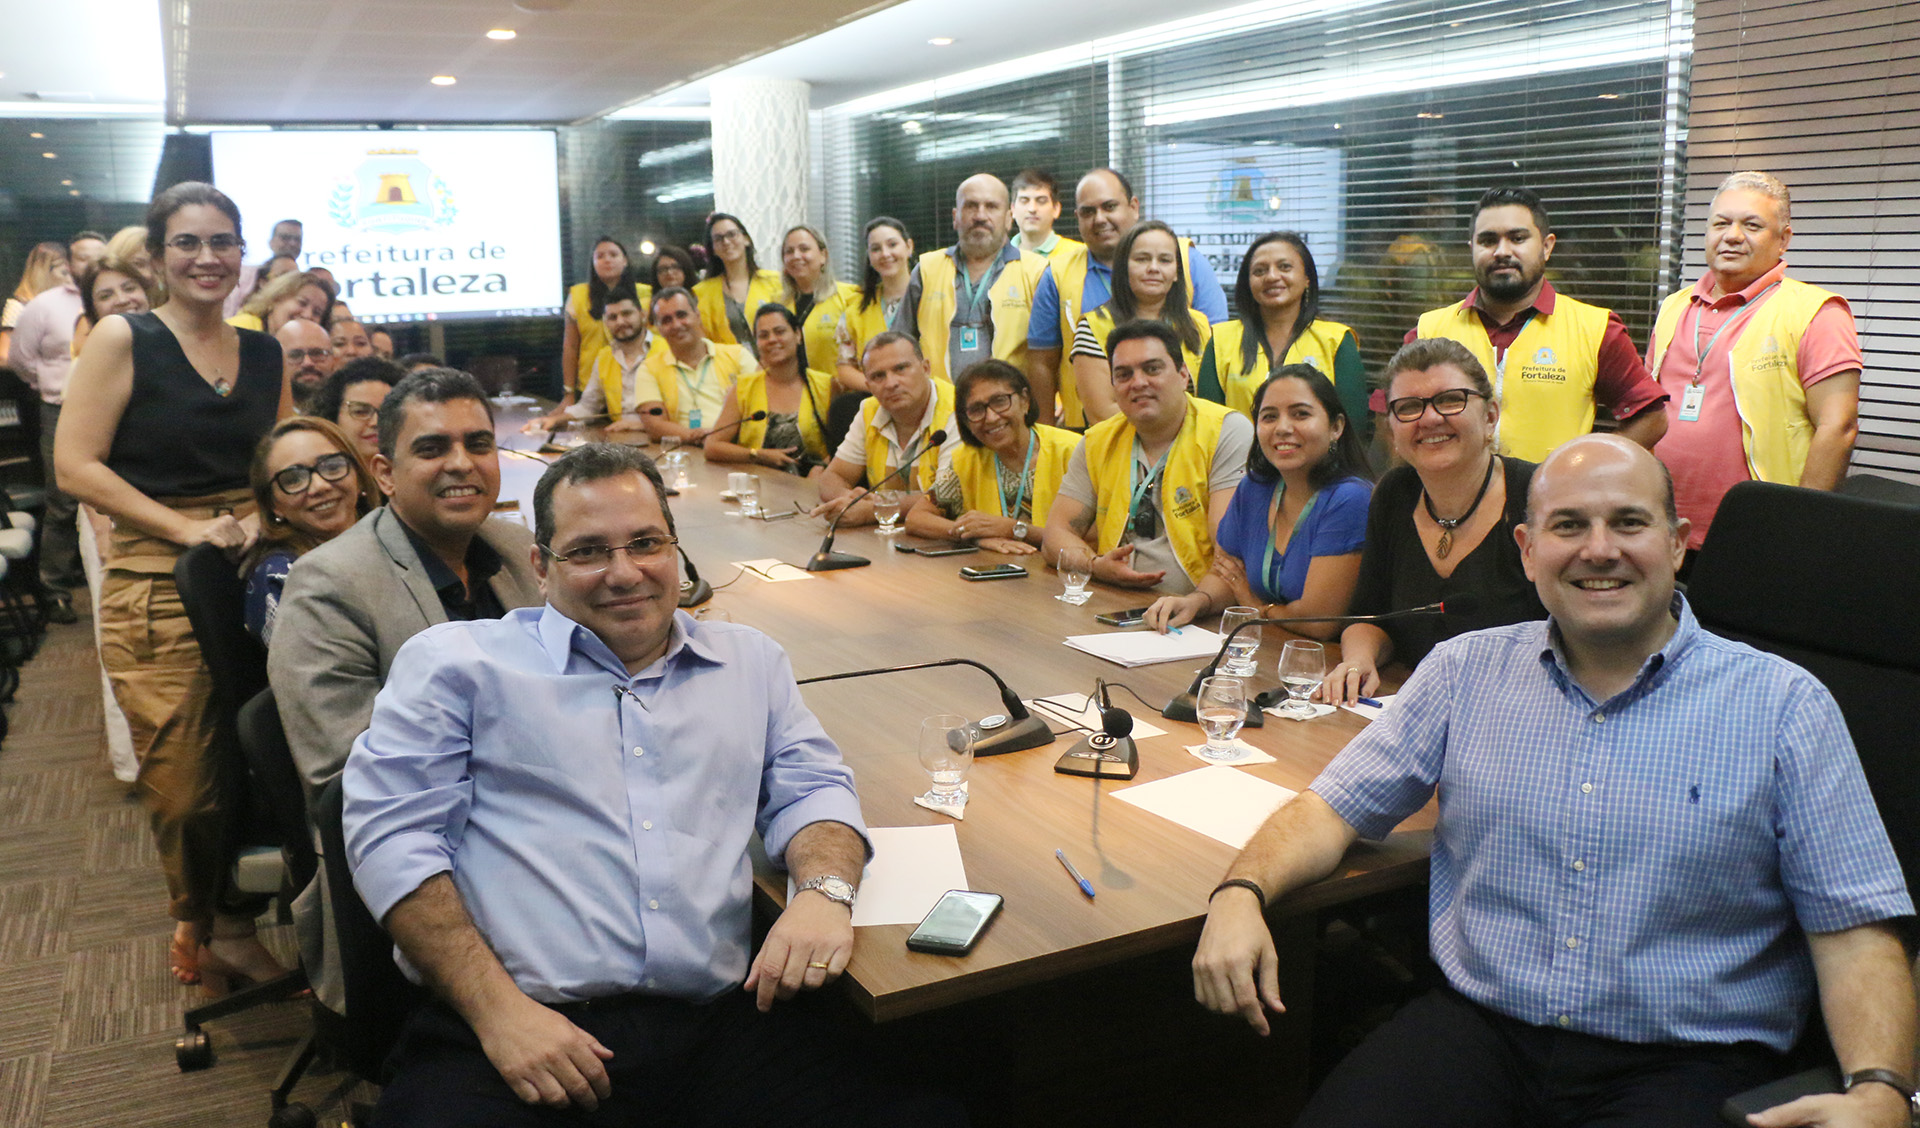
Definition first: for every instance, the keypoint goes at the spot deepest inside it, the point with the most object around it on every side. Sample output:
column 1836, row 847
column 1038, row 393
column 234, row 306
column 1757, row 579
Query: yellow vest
column 246, row 321
column 606, row 369
column 1316, row 347
column 711, row 296
column 858, row 326
column 729, row 361
column 979, row 474
column 593, row 333
column 1070, row 279
column 1011, row 296
column 1765, row 369
column 751, row 393
column 877, row 453
column 1546, row 389
column 821, row 330
column 1184, row 484
column 1063, row 249
column 1101, row 320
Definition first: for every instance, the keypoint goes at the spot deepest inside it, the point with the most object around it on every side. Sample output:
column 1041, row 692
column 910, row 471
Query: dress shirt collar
column 561, row 638
column 1652, row 672
column 1703, row 289
column 1542, row 305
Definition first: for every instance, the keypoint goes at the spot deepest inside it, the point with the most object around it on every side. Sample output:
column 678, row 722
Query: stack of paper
column 1149, row 648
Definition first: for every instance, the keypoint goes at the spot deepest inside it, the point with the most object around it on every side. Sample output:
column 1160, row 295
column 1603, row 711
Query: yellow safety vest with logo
column 1775, row 429
column 821, row 330
column 979, row 474
column 593, row 334
column 750, row 392
column 878, row 454
column 711, row 296
column 1545, row 389
column 1070, row 279
column 1011, row 297
column 859, row 326
column 1185, row 483
column 1317, row 347
column 729, row 362
column 1101, row 321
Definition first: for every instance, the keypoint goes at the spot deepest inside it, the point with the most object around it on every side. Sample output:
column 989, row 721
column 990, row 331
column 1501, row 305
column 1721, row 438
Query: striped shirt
column 1641, row 868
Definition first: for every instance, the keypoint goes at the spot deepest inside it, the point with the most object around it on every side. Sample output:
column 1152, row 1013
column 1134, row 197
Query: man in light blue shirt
column 551, row 813
column 1654, row 845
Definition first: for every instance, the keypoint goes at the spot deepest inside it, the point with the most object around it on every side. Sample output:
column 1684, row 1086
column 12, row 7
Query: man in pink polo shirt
column 1763, row 371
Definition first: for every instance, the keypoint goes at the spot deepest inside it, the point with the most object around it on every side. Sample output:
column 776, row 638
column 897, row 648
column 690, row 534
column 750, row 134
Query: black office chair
column 1825, row 581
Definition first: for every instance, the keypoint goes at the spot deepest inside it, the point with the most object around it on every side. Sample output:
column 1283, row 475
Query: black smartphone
column 947, row 548
column 956, row 922
column 1132, row 617
column 993, row 572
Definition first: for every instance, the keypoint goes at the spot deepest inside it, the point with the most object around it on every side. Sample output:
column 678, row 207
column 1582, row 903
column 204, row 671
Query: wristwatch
column 833, row 888
column 1021, row 529
column 1885, row 1077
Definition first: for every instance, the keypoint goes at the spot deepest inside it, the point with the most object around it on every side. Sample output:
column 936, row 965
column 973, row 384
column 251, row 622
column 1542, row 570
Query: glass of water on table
column 1245, row 647
column 1075, row 564
column 886, row 510
column 946, row 752
column 1222, row 709
column 1302, row 665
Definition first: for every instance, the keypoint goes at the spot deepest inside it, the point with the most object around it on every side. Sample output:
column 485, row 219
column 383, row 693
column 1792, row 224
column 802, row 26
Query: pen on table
column 1085, row 885
column 1370, row 702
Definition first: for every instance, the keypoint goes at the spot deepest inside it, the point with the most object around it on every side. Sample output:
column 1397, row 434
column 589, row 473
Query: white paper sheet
column 1148, row 648
column 1076, row 705
column 1219, row 802
column 1244, row 754
column 774, row 571
column 1371, row 712
column 912, row 867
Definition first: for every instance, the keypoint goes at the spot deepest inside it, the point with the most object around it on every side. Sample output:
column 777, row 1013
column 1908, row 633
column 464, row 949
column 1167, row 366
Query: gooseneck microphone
column 1182, row 706
column 1019, row 729
column 737, row 423
column 1109, row 753
column 827, row 560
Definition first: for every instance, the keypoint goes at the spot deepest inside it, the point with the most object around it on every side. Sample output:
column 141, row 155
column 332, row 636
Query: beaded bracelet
column 1241, row 883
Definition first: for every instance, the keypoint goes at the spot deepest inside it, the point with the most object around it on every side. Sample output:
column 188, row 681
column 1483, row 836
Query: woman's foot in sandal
column 183, row 955
column 234, row 957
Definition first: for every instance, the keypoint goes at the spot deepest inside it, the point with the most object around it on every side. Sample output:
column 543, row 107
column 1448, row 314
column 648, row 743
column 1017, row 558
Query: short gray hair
column 1766, row 184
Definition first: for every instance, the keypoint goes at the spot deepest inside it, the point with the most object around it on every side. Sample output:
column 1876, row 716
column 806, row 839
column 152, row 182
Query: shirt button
column 650, row 981
column 1586, row 788
column 1579, row 865
column 1564, row 1020
column 653, row 904
column 639, row 751
column 646, row 824
column 1573, row 941
column 1598, row 719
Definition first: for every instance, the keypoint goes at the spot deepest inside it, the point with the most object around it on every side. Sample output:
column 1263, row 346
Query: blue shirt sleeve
column 1390, row 770
column 1208, row 298
column 1244, row 526
column 1043, row 319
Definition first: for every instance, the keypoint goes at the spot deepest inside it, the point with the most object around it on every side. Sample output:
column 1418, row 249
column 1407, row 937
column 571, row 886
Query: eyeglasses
column 592, row 559
column 298, row 355
column 296, row 480
column 361, row 411
column 998, row 404
column 221, row 244
column 1453, row 401
column 727, row 236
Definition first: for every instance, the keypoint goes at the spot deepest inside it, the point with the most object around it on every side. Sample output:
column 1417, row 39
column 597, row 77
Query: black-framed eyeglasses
column 298, row 479
column 1453, row 401
column 221, row 244
column 727, row 236
column 298, row 355
column 998, row 404
column 361, row 411
column 592, row 559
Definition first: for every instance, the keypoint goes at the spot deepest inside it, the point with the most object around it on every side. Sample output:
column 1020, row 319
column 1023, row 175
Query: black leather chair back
column 379, row 998
column 276, row 782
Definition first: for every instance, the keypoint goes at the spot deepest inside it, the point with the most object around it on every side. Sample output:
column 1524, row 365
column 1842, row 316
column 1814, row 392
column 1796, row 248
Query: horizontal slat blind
column 1824, row 95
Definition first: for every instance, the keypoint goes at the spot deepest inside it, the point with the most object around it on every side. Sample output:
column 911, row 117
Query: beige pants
column 165, row 689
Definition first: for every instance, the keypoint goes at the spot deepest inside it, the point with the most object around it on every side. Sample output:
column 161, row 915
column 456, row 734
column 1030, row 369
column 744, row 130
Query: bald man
column 1654, row 844
column 970, row 301
column 307, row 352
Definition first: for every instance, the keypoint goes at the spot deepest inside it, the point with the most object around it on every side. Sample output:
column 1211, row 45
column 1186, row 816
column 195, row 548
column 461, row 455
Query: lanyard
column 1033, row 442
column 1700, row 314
column 1140, row 487
column 974, row 290
column 1271, row 561
column 692, row 389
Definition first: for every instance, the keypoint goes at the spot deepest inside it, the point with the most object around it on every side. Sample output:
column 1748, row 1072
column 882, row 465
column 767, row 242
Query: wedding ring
column 818, row 964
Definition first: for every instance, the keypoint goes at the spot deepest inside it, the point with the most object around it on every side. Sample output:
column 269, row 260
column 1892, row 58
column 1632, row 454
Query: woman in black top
column 1440, row 528
column 163, row 412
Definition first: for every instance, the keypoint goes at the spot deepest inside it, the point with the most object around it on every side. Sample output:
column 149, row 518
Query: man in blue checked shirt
column 1639, row 821
column 551, row 813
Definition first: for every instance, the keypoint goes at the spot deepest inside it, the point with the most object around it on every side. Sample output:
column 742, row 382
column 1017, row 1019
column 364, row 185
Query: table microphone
column 1019, row 729
column 1109, row 753
column 1182, row 706
column 827, row 560
column 754, row 418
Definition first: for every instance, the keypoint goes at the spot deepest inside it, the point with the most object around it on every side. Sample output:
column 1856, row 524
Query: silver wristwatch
column 1021, row 529
column 831, row 887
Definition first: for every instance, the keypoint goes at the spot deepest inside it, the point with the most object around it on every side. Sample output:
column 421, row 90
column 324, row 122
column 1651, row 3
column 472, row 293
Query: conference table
column 1051, row 944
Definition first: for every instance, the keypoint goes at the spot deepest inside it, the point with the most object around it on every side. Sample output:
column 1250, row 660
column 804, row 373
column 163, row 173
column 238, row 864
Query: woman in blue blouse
column 1290, row 541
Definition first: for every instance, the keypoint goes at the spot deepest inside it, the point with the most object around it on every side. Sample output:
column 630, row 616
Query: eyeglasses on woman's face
column 298, row 479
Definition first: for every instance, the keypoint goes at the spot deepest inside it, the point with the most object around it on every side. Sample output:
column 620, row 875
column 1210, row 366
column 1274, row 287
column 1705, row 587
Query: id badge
column 1690, row 403
column 969, row 338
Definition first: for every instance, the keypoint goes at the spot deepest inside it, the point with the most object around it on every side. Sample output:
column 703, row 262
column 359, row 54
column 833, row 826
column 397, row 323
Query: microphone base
column 1101, row 757
column 1014, row 736
column 833, row 561
column 1181, row 708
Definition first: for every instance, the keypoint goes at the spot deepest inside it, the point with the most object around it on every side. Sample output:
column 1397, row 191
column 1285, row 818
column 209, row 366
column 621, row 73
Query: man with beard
column 1552, row 359
column 612, row 391
column 308, row 355
column 955, row 324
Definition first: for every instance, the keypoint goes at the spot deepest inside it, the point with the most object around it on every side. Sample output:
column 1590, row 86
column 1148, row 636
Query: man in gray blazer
column 430, row 556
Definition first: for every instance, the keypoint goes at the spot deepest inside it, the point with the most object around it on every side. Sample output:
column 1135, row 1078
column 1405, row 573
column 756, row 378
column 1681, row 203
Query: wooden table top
column 1152, row 876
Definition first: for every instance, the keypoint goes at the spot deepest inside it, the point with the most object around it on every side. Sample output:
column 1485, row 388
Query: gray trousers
column 60, row 536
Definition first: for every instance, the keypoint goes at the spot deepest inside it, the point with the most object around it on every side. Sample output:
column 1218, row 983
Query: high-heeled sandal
column 220, row 975
column 183, row 957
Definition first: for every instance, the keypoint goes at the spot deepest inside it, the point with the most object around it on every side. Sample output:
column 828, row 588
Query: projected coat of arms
column 393, row 190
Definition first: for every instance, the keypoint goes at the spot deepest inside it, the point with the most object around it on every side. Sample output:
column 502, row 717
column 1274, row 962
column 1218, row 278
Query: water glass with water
column 1302, row 665
column 1076, row 569
column 946, row 752
column 1222, row 708
column 886, row 510
column 747, row 490
column 1245, row 647
column 676, row 470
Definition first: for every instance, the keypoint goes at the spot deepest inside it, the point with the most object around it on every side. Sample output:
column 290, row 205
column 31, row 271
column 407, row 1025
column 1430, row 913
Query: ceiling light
column 1607, row 97
column 66, row 184
column 443, row 80
column 647, row 246
column 941, row 41
column 1429, row 115
column 502, row 33
column 73, row 191
column 913, row 127
column 37, row 136
column 49, row 156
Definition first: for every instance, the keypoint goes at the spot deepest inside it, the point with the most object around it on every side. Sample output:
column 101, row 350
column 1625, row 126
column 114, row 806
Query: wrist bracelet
column 1240, row 883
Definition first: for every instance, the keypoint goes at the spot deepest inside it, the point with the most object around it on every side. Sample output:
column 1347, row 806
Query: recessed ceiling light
column 647, row 246
column 37, row 136
column 941, row 41
column 1607, row 97
column 912, row 126
column 443, row 80
column 1429, row 115
column 73, row 191
column 49, row 156
column 502, row 33
column 66, row 184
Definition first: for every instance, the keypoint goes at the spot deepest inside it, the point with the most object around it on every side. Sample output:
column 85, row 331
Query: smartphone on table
column 955, row 923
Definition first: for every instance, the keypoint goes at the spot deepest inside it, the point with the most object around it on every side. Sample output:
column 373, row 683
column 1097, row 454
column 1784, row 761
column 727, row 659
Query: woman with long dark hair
column 1149, row 284
column 735, row 287
column 883, row 286
column 792, row 436
column 584, row 336
column 1277, row 299
column 673, row 266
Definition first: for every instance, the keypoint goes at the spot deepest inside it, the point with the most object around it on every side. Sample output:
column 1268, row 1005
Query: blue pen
column 1369, row 701
column 1085, row 885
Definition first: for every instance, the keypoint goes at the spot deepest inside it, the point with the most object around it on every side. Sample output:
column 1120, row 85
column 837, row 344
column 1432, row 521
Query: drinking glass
column 1222, row 707
column 1302, row 665
column 676, row 475
column 946, row 752
column 1245, row 647
column 1076, row 568
column 886, row 510
column 748, row 491
column 669, row 444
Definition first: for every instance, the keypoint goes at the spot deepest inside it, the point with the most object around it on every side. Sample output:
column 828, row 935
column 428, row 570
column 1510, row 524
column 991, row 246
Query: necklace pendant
column 223, row 388
column 1446, row 544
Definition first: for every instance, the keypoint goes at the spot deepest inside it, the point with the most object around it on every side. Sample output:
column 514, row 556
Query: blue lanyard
column 1019, row 499
column 974, row 290
column 1700, row 314
column 1271, row 562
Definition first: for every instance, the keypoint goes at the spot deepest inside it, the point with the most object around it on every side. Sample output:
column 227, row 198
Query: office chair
column 1824, row 581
